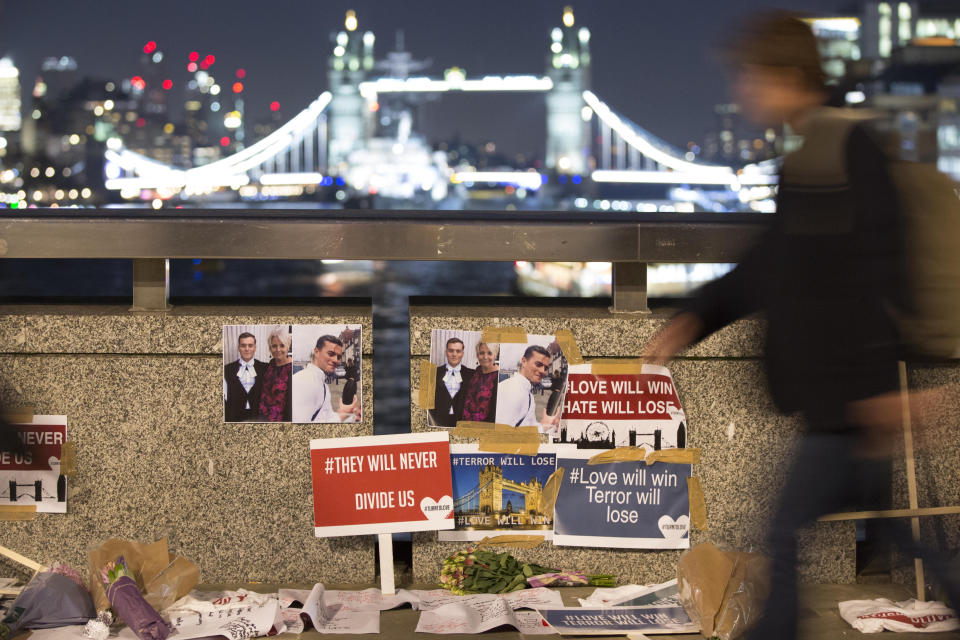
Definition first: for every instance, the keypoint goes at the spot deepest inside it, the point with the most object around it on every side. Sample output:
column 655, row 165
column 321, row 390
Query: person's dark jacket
column 443, row 402
column 235, row 406
column 825, row 272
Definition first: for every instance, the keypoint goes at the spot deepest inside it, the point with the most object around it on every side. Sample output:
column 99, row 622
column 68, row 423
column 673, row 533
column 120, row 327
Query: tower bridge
column 338, row 138
column 487, row 495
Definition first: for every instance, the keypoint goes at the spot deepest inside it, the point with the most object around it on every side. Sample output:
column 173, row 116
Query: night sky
column 652, row 60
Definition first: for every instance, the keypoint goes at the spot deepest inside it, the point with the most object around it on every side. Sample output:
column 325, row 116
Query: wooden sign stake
column 385, row 541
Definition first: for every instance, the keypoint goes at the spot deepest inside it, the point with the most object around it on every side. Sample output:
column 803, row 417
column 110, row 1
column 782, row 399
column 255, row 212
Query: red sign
column 43, row 443
column 381, row 484
column 638, row 397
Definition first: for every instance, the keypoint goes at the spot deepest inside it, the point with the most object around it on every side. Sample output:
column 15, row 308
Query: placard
column 381, row 484
column 607, row 410
column 621, row 504
column 496, row 493
column 619, row 621
column 34, row 478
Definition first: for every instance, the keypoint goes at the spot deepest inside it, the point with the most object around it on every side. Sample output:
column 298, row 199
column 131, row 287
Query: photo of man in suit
column 242, row 381
column 452, row 379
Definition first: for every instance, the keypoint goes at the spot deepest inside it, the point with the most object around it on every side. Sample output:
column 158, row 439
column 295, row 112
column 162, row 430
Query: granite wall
column 745, row 443
column 143, row 397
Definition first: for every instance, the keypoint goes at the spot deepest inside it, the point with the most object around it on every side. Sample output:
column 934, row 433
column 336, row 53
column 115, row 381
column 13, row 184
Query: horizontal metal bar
column 378, row 235
column 890, row 513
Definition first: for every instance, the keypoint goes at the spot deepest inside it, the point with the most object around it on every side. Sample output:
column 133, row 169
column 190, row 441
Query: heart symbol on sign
column 671, row 528
column 437, row 509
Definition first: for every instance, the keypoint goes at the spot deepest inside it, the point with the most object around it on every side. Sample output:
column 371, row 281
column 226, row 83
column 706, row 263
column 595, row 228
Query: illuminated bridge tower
column 568, row 133
column 352, row 59
column 491, row 496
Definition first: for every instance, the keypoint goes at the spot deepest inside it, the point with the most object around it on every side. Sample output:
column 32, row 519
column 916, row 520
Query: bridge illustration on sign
column 486, row 498
column 358, row 136
column 36, row 491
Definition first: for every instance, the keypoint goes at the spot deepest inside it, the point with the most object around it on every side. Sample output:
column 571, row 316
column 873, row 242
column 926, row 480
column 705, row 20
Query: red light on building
column 194, row 56
column 168, row 84
column 138, row 83
column 150, row 47
column 237, row 87
column 191, row 67
column 210, row 59
column 241, row 73
column 141, row 122
column 274, row 106
column 204, row 65
column 224, row 141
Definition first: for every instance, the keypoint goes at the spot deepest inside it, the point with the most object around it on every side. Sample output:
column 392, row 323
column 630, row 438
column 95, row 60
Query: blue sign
column 622, row 504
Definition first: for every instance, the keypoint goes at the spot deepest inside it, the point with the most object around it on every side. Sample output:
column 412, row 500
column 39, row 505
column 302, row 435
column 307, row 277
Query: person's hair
column 452, row 340
column 774, row 38
column 328, row 338
column 246, row 334
column 281, row 333
column 494, row 347
column 535, row 348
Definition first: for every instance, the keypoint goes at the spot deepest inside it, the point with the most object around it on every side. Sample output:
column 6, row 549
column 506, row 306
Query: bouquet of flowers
column 478, row 571
column 128, row 603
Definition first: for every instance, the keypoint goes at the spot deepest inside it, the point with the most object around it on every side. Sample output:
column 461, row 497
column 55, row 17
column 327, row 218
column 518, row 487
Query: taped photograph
column 326, row 373
column 256, row 373
column 467, row 376
column 495, row 493
column 532, row 384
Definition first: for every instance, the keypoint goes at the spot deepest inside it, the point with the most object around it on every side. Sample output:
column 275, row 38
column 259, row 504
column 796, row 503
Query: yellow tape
column 428, row 386
column 18, row 512
column 548, row 497
column 620, row 454
column 19, row 415
column 500, row 438
column 569, row 347
column 698, row 506
column 518, row 542
column 675, row 456
column 499, row 335
column 617, row 367
column 68, row 459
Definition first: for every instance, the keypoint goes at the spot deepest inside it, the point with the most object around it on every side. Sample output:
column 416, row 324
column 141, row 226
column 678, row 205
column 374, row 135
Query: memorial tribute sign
column 382, row 485
column 35, row 478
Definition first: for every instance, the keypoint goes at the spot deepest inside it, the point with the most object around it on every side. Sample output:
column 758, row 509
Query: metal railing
column 150, row 239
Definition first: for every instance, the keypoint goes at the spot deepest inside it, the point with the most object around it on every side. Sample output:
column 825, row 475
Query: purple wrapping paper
column 125, row 598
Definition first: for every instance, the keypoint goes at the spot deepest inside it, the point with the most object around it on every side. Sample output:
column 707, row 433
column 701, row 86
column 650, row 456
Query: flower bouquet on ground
column 478, row 571
column 128, row 603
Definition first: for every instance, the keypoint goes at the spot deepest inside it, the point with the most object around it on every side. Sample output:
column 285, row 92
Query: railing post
column 151, row 284
column 630, row 287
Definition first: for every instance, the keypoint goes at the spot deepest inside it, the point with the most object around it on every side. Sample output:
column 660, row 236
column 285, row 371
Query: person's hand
column 346, row 409
column 672, row 337
column 549, row 424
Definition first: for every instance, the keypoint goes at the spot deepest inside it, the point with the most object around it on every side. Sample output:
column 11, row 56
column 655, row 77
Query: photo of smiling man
column 528, row 373
column 319, row 352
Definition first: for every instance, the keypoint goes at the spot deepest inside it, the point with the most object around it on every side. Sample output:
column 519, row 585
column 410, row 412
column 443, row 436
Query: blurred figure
column 825, row 273
column 275, row 395
column 480, row 400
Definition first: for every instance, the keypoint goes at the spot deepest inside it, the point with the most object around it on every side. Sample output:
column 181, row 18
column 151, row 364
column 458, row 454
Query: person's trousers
column 828, row 476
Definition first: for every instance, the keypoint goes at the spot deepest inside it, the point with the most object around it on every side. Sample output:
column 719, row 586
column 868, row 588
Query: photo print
column 532, row 384
column 256, row 373
column 467, row 376
column 498, row 493
column 326, row 373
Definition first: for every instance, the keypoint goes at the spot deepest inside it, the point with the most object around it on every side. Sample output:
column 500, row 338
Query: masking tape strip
column 522, row 446
column 500, row 438
column 620, row 454
column 428, row 386
column 19, row 415
column 11, row 513
column 500, row 335
column 698, row 506
column 548, row 497
column 569, row 347
column 68, row 459
column 675, row 456
column 617, row 367
column 518, row 542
